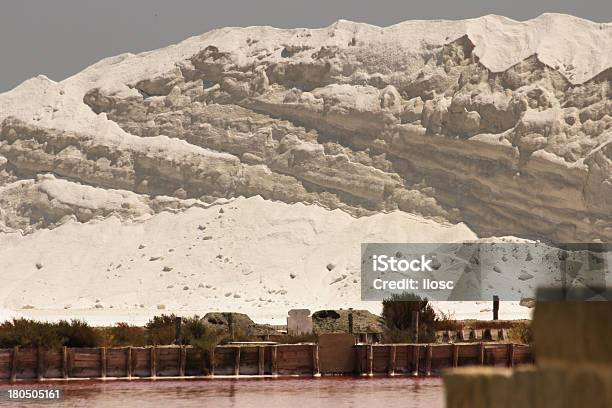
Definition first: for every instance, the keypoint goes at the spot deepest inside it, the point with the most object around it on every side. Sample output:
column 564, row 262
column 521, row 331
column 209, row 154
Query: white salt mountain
column 501, row 125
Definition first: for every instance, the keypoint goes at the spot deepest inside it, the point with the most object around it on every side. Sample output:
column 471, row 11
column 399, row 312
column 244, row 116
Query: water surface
column 335, row 392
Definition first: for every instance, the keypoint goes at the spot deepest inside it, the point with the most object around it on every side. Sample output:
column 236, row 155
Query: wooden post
column 482, row 353
column 40, row 363
column 65, row 362
column 153, row 359
column 316, row 372
column 128, row 370
column 274, row 360
column 261, row 360
column 14, row 363
column 495, row 307
column 212, row 361
column 350, row 321
column 370, row 351
column 182, row 360
column 103, row 362
column 392, row 354
column 455, row 355
column 415, row 359
column 510, row 355
column 237, row 360
column 428, row 358
column 178, row 322
column 415, row 325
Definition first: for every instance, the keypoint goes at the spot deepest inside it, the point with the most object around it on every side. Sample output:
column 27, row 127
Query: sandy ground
column 222, row 258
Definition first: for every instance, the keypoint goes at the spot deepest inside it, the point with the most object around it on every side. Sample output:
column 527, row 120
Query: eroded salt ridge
column 503, row 125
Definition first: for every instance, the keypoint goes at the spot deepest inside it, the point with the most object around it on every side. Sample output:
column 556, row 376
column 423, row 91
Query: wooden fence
column 245, row 360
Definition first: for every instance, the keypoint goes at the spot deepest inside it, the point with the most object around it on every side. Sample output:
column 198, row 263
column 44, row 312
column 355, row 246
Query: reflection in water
column 245, row 393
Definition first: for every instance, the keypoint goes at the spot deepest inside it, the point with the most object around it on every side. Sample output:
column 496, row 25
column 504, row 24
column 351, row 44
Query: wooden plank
column 274, row 360
column 455, row 361
column 482, row 353
column 237, row 360
column 428, row 358
column 212, row 361
column 261, row 360
column 315, row 361
column 40, row 364
column 14, row 364
column 370, row 355
column 416, row 349
column 153, row 363
column 65, row 362
column 128, row 369
column 103, row 362
column 392, row 360
column 182, row 361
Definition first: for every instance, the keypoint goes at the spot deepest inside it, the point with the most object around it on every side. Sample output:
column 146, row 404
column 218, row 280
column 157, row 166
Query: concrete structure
column 299, row 322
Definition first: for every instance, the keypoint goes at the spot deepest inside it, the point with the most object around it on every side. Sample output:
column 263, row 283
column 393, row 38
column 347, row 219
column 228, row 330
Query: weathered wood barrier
column 250, row 360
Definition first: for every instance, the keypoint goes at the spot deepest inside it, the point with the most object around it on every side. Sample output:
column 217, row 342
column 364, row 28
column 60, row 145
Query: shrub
column 397, row 314
column 122, row 334
column 160, row 330
column 448, row 322
column 193, row 328
column 521, row 333
column 78, row 333
column 28, row 333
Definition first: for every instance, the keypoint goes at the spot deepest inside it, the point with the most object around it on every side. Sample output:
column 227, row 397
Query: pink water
column 267, row 393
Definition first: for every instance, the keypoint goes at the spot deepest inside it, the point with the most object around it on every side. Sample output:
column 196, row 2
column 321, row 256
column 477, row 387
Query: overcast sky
column 61, row 37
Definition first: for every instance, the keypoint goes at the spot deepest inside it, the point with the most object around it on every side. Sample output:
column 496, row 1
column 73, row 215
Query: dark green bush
column 397, row 314
column 29, row 333
column 78, row 333
column 160, row 330
column 195, row 333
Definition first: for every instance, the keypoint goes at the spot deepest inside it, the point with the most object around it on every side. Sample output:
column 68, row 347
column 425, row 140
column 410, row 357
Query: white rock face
column 505, row 126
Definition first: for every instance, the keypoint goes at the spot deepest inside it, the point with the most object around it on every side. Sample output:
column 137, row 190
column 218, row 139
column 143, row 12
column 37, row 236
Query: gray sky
column 61, row 37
